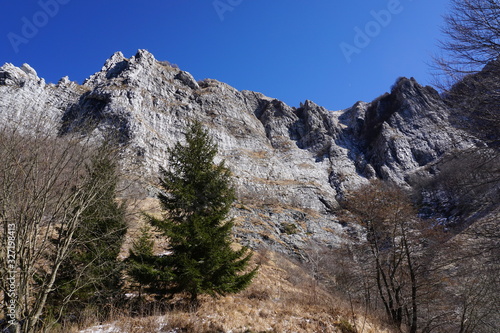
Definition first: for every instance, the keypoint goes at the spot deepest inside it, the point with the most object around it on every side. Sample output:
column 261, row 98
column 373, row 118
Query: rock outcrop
column 291, row 164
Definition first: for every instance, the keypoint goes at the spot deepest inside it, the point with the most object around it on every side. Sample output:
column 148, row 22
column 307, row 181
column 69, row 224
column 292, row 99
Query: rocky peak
column 403, row 130
column 141, row 70
column 315, row 128
column 474, row 101
column 11, row 75
column 290, row 164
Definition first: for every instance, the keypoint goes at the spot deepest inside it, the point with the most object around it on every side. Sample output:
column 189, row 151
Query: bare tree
column 44, row 189
column 477, row 275
column 393, row 246
column 315, row 257
column 469, row 69
column 472, row 38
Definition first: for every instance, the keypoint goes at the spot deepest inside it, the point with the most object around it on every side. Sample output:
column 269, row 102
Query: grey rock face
column 290, row 165
column 27, row 103
column 402, row 131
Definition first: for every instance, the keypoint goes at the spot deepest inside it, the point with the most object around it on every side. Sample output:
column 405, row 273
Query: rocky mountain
column 291, row 165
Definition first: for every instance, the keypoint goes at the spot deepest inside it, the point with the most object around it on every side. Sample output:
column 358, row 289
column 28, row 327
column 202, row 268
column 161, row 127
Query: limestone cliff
column 291, row 164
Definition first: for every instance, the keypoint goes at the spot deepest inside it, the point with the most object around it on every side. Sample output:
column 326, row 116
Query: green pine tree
column 196, row 196
column 92, row 272
column 152, row 273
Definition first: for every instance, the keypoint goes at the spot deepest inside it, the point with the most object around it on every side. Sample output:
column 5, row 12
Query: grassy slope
column 283, row 298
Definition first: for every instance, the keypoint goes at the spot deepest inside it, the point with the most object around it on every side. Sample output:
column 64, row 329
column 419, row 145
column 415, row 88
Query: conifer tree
column 152, row 273
column 92, row 273
column 196, row 196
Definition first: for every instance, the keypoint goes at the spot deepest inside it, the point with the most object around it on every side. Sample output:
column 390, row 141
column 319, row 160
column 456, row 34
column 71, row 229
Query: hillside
column 283, row 298
column 426, row 183
column 291, row 164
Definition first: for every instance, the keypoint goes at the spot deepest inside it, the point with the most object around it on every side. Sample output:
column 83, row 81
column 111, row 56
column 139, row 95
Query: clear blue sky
column 292, row 50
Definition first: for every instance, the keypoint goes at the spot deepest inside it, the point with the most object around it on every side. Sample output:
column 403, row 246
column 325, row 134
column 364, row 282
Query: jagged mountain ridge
column 291, row 164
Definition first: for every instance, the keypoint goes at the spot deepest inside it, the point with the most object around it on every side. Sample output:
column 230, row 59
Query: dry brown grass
column 283, row 298
column 256, row 154
column 306, row 166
